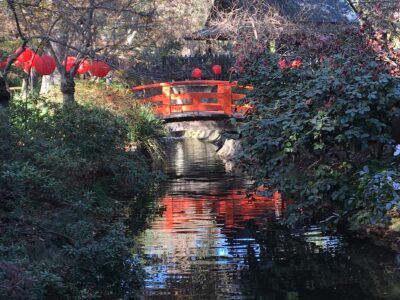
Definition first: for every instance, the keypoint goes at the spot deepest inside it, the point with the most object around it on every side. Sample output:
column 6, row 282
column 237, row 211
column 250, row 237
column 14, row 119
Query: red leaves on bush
column 283, row 64
column 295, row 64
column 308, row 102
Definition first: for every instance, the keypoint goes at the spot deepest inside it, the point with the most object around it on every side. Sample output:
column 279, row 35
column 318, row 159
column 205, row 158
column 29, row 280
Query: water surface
column 216, row 241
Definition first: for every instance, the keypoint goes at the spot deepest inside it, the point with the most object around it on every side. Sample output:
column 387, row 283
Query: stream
column 215, row 241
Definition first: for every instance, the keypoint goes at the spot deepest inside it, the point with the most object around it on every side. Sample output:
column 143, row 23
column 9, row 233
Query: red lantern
column 25, row 55
column 19, row 64
column 27, row 66
column 84, row 67
column 70, row 62
column 196, row 73
column 30, row 63
column 45, row 65
column 99, row 68
column 216, row 69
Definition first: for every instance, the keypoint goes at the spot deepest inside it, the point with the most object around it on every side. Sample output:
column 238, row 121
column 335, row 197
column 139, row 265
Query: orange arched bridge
column 194, row 99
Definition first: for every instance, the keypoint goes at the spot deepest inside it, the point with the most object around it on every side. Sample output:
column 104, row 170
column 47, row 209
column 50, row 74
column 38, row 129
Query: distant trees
column 85, row 29
column 4, row 93
column 247, row 21
column 380, row 22
column 385, row 13
column 97, row 29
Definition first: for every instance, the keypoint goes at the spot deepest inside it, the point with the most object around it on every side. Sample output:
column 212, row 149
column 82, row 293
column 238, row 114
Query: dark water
column 215, row 242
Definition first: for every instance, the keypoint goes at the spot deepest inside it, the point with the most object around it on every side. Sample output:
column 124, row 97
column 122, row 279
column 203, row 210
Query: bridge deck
column 200, row 115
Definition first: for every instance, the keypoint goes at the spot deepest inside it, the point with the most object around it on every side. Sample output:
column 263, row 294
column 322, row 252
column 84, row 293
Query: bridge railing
column 195, row 96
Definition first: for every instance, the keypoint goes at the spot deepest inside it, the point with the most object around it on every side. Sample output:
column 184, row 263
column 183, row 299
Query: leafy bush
column 376, row 195
column 4, row 134
column 143, row 127
column 316, row 123
column 61, row 191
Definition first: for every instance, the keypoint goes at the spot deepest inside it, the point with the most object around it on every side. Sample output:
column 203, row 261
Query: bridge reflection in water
column 214, row 242
column 201, row 241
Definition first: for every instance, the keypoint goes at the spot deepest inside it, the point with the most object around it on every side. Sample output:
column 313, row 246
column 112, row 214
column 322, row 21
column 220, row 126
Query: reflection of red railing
column 232, row 209
column 209, row 96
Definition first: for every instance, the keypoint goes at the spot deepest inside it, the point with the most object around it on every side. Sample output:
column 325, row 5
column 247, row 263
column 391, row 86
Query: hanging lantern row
column 46, row 65
column 216, row 69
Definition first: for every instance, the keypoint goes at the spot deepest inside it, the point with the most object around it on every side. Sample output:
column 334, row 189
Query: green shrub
column 5, row 138
column 145, row 129
column 377, row 196
column 61, row 192
column 315, row 126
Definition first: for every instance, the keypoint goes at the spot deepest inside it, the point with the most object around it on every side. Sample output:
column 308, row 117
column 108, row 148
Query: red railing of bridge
column 194, row 96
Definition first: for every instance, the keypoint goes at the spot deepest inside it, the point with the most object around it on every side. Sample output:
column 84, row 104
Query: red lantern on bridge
column 84, row 67
column 45, row 65
column 25, row 55
column 196, row 73
column 216, row 69
column 99, row 68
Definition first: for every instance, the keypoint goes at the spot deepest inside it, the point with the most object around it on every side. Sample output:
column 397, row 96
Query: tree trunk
column 4, row 93
column 68, row 89
column 48, row 81
column 33, row 81
column 5, row 137
column 25, row 86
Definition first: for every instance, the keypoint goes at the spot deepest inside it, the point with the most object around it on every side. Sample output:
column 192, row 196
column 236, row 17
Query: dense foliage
column 64, row 171
column 321, row 127
column 144, row 128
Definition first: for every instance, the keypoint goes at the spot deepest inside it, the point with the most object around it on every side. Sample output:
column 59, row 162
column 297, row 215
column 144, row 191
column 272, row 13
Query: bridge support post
column 227, row 98
column 166, row 102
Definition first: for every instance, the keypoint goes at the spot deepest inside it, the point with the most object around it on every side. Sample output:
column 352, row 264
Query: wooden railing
column 194, row 96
